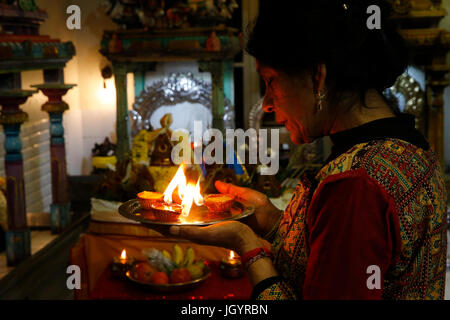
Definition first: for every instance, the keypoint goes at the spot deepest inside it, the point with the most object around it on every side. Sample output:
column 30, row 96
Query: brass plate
column 199, row 216
column 172, row 287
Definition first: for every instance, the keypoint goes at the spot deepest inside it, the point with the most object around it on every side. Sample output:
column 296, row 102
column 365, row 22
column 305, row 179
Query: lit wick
column 122, row 264
column 231, row 266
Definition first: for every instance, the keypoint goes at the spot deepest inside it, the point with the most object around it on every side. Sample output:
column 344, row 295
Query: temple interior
column 90, row 92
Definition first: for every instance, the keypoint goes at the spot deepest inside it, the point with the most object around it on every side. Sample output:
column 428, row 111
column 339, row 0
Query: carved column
column 437, row 82
column 122, row 122
column 55, row 106
column 436, row 118
column 18, row 246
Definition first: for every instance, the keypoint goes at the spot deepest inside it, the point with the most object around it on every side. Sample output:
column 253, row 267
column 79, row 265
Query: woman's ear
column 319, row 77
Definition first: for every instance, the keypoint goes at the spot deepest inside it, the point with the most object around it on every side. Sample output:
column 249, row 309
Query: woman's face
column 294, row 103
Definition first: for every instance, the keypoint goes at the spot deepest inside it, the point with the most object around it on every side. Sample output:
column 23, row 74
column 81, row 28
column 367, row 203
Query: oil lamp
column 231, row 266
column 122, row 264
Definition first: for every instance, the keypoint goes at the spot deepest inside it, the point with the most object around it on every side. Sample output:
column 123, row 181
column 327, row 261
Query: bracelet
column 251, row 256
column 274, row 229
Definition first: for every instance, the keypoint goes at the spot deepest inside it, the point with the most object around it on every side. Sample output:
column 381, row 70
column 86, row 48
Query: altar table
column 215, row 287
column 94, row 252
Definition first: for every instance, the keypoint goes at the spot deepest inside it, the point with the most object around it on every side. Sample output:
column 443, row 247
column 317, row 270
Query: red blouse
column 354, row 226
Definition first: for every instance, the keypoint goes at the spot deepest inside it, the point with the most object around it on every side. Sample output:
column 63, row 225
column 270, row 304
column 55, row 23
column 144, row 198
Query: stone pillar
column 18, row 245
column 55, row 106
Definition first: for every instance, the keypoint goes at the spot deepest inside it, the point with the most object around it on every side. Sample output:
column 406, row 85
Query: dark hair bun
column 295, row 36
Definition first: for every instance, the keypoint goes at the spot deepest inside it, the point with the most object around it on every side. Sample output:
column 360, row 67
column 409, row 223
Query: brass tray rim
column 169, row 286
column 124, row 211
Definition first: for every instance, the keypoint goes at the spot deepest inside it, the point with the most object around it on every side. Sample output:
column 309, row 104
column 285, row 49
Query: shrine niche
column 167, row 31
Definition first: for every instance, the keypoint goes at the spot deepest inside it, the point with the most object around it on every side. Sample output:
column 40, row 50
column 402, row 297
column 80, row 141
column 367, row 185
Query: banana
column 189, row 257
column 167, row 254
column 177, row 254
column 200, row 264
column 195, row 271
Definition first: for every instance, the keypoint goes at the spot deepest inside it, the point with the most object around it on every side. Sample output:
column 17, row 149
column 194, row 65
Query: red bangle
column 251, row 256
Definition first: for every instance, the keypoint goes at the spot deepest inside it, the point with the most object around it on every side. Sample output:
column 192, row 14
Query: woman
column 371, row 223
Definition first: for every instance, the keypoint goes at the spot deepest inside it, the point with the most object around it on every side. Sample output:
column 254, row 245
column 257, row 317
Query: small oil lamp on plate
column 122, row 264
column 231, row 266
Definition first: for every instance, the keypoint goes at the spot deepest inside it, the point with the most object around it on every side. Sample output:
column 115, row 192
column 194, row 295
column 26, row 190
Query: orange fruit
column 143, row 271
column 180, row 275
column 159, row 278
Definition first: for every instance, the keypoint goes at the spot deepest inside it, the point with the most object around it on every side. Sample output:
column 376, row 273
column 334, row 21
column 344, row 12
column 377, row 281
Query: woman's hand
column 266, row 214
column 232, row 235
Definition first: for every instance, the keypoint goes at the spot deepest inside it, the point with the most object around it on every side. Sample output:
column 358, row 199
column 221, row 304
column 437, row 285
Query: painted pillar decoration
column 55, row 106
column 18, row 245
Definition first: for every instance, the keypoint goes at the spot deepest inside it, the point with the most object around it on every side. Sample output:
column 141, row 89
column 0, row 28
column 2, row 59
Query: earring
column 320, row 98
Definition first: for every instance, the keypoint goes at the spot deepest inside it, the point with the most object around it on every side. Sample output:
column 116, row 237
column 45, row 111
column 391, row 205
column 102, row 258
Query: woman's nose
column 267, row 104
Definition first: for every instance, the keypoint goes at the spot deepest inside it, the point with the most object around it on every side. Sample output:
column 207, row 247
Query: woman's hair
column 295, row 36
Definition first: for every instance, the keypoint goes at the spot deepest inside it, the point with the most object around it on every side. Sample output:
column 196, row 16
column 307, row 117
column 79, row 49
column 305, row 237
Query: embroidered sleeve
column 274, row 288
column 277, row 291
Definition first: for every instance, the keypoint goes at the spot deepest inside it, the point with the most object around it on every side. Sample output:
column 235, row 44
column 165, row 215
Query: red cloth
column 348, row 232
column 93, row 253
column 215, row 287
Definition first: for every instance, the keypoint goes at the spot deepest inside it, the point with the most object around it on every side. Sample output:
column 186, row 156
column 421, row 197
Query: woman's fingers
column 223, row 187
column 191, row 233
column 229, row 188
column 224, row 234
column 257, row 198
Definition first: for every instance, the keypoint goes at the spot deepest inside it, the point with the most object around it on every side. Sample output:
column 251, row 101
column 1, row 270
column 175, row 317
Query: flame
column 232, row 255
column 188, row 199
column 198, row 199
column 179, row 180
column 123, row 255
column 188, row 192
